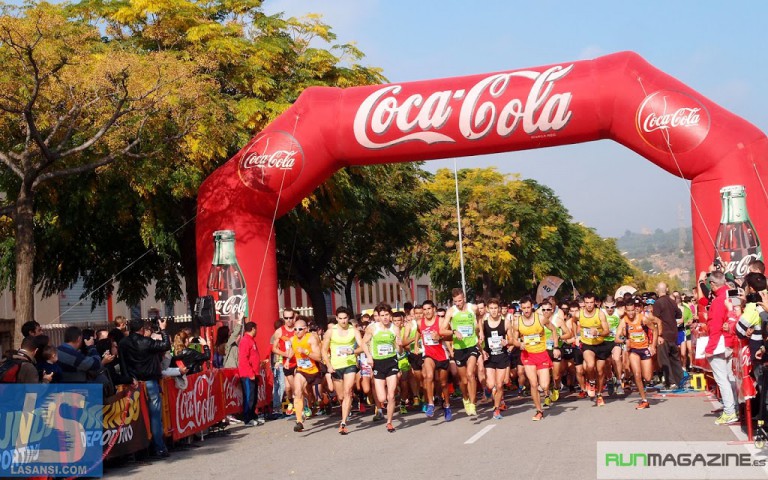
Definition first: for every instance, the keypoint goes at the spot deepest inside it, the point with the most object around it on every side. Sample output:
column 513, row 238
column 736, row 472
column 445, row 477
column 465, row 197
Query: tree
column 71, row 103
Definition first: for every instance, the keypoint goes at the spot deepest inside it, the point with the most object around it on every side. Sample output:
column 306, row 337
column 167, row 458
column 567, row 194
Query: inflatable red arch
column 619, row 97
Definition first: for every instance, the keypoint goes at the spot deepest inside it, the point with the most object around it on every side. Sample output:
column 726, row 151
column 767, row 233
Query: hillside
column 661, row 251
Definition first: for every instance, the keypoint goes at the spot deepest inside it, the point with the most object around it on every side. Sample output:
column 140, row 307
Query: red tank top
column 432, row 349
column 285, row 343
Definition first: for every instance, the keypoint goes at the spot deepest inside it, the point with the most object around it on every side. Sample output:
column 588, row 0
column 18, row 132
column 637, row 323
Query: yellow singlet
column 533, row 335
column 587, row 323
column 304, row 363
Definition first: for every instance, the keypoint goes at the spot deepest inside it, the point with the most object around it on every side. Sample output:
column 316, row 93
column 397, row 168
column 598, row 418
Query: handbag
column 701, row 345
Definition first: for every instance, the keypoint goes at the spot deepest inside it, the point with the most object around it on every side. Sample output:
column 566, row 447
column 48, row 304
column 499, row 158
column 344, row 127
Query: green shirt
column 613, row 324
column 464, row 323
column 383, row 342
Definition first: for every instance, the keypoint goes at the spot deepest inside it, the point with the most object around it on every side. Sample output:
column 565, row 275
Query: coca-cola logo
column 233, row 392
column 196, row 407
column 272, row 162
column 672, row 121
column 739, row 268
column 384, row 119
column 234, row 305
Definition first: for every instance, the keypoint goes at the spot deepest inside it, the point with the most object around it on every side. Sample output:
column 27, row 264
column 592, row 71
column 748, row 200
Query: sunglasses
column 300, row 329
column 610, row 306
column 546, row 309
column 289, row 318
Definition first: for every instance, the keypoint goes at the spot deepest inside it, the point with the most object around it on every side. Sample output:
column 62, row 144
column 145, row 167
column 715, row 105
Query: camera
column 718, row 264
column 754, row 298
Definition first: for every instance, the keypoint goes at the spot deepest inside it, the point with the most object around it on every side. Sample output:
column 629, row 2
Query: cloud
column 591, row 51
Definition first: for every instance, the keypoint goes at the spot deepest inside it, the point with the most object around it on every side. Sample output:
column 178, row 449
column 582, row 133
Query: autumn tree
column 72, row 103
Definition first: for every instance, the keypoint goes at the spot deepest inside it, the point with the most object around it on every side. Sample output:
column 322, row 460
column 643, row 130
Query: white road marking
column 479, row 434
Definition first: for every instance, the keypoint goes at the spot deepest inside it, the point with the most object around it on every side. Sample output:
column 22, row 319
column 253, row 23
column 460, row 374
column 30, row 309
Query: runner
column 494, row 339
column 481, row 315
column 461, row 321
column 633, row 330
column 385, row 343
column 572, row 356
column 530, row 328
column 415, row 349
column 281, row 346
column 435, row 359
column 516, row 367
column 616, row 384
column 403, row 364
column 306, row 350
column 554, row 350
column 594, row 327
column 341, row 343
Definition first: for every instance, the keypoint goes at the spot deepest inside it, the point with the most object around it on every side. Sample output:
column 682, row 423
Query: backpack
column 9, row 370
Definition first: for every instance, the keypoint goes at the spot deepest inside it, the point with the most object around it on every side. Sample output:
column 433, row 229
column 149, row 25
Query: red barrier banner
column 135, row 433
column 264, row 390
column 699, row 331
column 742, row 366
column 196, row 407
column 231, row 391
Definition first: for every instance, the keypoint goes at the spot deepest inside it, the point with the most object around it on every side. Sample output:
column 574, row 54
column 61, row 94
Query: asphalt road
column 563, row 445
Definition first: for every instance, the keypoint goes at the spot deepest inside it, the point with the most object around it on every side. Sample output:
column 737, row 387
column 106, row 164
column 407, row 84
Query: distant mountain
column 661, row 251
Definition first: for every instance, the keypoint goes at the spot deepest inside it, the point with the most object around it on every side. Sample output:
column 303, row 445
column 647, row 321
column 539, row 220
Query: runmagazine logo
column 673, row 460
column 51, row 430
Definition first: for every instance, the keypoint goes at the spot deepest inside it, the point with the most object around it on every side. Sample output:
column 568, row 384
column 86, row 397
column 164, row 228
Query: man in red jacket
column 719, row 351
column 248, row 368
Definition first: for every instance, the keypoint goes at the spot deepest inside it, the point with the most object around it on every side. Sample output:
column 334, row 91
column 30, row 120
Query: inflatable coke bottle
column 227, row 286
column 737, row 243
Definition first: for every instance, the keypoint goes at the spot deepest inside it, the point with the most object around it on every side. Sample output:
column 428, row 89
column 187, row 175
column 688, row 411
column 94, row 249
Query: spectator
column 101, row 334
column 41, row 341
column 192, row 359
column 87, row 333
column 77, row 367
column 121, row 324
column 116, row 335
column 110, row 375
column 750, row 322
column 668, row 353
column 140, row 358
column 31, row 329
column 718, row 349
column 248, row 368
column 26, row 372
column 50, row 364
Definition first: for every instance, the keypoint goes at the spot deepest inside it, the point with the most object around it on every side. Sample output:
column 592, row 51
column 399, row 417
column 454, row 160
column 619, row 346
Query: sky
column 716, row 48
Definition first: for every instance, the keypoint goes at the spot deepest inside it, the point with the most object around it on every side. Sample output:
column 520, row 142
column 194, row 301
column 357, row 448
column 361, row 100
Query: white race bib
column 466, row 330
column 494, row 344
column 428, row 339
column 534, row 339
column 385, row 349
column 637, row 336
column 342, row 351
column 587, row 333
column 304, row 363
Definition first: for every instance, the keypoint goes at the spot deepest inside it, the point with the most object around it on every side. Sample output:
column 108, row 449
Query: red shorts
column 540, row 359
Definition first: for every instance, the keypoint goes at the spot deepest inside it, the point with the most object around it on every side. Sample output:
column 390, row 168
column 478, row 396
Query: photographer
column 184, row 352
column 750, row 322
column 77, row 367
column 140, row 358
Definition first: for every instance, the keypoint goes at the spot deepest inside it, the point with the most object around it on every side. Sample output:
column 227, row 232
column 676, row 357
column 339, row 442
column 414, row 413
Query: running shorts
column 385, row 368
column 461, row 355
column 540, row 359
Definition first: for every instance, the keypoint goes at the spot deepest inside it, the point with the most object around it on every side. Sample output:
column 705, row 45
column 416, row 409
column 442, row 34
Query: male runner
column 494, row 338
column 306, row 350
column 435, row 359
column 594, row 328
column 613, row 319
column 341, row 343
column 415, row 358
column 381, row 344
column 281, row 346
column 530, row 328
column 462, row 323
column 633, row 330
column 554, row 349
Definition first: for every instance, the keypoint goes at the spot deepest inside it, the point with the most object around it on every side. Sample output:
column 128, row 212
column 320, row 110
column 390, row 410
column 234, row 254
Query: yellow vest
column 533, row 335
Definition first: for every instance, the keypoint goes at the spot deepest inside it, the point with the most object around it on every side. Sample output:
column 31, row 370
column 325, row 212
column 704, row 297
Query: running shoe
column 430, row 410
column 423, row 408
column 611, row 388
column 547, row 402
column 307, row 412
column 343, row 429
column 503, row 405
column 643, row 405
column 390, row 428
column 299, row 427
column 619, row 390
column 362, row 407
column 403, row 409
column 416, row 401
column 289, row 411
column 472, row 410
column 378, row 415
column 539, row 416
column 599, row 401
column 520, row 391
column 447, row 413
column 591, row 390
column 466, row 405
column 555, row 395
column 497, row 414
column 727, row 419
column 234, row 420
column 582, row 394
column 260, row 420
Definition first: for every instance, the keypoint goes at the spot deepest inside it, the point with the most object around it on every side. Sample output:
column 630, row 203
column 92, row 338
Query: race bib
column 385, row 349
column 637, row 337
column 494, row 344
column 304, row 363
column 428, row 339
column 466, row 330
column 587, row 333
column 342, row 351
column 288, row 345
column 613, row 332
column 550, row 344
column 534, row 339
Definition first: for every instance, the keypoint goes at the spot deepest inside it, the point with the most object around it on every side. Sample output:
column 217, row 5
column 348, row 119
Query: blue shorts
column 680, row 337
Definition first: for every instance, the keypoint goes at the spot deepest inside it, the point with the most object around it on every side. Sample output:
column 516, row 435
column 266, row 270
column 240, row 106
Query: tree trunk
column 348, row 294
column 25, row 259
column 490, row 289
column 189, row 255
column 314, row 288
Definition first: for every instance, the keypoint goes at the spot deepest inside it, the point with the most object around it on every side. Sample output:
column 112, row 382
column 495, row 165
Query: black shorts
column 440, row 364
column 643, row 353
column 312, row 378
column 552, row 354
column 571, row 352
column 602, row 351
column 289, row 372
column 416, row 361
column 499, row 362
column 514, row 358
column 461, row 355
column 338, row 374
column 385, row 368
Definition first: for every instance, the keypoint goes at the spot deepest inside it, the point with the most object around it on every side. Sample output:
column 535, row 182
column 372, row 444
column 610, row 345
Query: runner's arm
column 445, row 328
column 514, row 336
column 359, row 340
column 326, row 349
column 314, row 349
column 367, row 341
column 605, row 329
column 407, row 340
column 622, row 328
column 567, row 333
column 275, row 342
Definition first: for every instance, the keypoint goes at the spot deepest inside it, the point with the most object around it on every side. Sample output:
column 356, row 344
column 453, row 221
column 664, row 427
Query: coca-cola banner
column 195, row 407
column 231, row 391
column 618, row 97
